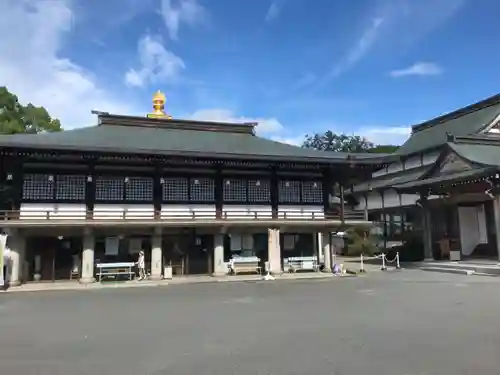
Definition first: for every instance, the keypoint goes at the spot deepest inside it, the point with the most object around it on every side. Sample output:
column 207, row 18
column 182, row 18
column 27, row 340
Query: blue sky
column 369, row 67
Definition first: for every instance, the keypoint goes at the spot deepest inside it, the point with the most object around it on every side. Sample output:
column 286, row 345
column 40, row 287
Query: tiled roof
column 183, row 138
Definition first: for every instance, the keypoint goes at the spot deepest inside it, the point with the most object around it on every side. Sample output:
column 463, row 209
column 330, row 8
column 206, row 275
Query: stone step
column 476, row 268
column 458, row 271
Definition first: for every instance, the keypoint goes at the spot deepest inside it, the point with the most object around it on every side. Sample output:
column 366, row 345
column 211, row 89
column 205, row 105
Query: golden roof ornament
column 159, row 100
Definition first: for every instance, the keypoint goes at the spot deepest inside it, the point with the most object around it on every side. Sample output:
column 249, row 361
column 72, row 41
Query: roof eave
column 276, row 158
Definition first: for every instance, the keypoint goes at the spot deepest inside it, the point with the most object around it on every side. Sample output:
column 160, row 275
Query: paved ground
column 397, row 323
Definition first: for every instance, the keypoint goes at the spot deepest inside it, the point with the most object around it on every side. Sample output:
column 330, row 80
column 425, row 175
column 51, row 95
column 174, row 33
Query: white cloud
column 266, row 126
column 359, row 49
column 177, row 12
column 389, row 135
column 32, row 66
column 274, row 10
column 293, row 140
column 394, row 25
column 418, row 69
column 157, row 63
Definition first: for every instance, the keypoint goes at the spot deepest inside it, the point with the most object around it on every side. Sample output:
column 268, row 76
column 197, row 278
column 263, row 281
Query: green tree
column 330, row 141
column 17, row 118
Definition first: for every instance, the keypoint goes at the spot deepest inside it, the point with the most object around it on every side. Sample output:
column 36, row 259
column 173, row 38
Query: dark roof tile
column 466, row 121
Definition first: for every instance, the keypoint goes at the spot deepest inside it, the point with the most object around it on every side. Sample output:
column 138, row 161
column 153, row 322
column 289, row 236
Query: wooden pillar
column 366, row 207
column 274, row 193
column 90, row 190
column 496, row 213
column 14, row 183
column 382, row 200
column 157, row 191
column 219, row 192
column 327, row 189
column 401, row 212
column 342, row 204
column 426, row 226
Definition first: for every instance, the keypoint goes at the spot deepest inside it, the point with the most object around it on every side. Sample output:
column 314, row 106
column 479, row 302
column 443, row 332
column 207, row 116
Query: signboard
column 111, row 246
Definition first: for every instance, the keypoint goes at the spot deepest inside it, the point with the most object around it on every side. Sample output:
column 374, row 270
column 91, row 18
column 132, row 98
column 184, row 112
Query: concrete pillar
column 274, row 250
column 156, row 255
column 218, row 258
column 17, row 245
column 496, row 212
column 88, row 258
column 327, row 254
column 321, row 256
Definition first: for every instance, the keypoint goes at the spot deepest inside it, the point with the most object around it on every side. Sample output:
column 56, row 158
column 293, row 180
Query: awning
column 445, row 180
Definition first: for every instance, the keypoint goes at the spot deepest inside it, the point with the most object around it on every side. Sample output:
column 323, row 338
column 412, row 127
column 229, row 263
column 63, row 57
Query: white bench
column 245, row 265
column 115, row 269
column 305, row 263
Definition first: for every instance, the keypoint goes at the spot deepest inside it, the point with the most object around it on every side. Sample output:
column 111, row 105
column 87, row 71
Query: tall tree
column 330, row 141
column 17, row 118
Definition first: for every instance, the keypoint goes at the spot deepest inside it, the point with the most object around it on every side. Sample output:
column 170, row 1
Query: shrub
column 360, row 241
column 412, row 249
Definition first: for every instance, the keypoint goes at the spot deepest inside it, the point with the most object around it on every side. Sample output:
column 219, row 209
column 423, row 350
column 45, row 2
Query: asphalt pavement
column 396, row 323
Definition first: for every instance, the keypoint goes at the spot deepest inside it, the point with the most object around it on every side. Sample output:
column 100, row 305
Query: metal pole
column 384, row 268
column 362, row 265
column 398, row 266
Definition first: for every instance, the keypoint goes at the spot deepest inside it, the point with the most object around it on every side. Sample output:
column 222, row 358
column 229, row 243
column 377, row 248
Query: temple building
column 190, row 194
column 444, row 184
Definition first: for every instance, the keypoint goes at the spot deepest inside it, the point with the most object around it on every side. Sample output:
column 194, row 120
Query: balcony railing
column 137, row 215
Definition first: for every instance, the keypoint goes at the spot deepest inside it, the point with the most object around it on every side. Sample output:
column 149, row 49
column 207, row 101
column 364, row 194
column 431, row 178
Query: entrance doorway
column 52, row 258
column 189, row 253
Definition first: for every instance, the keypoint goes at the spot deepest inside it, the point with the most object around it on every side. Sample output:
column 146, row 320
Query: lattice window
column 70, row 187
column 202, row 189
column 139, row 189
column 38, row 187
column 175, row 189
column 312, row 192
column 259, row 191
column 109, row 188
column 289, row 191
column 234, row 190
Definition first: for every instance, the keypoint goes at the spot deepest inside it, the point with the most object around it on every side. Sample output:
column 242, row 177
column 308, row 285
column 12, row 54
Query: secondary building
column 190, row 194
column 443, row 185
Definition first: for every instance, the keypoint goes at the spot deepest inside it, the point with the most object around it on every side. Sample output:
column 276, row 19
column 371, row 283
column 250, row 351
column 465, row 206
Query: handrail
column 149, row 215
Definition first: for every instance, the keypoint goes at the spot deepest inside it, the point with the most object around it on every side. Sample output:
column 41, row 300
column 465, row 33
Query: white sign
column 236, row 242
column 112, row 245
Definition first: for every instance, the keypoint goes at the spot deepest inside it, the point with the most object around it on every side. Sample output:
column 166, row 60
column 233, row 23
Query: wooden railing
column 169, row 216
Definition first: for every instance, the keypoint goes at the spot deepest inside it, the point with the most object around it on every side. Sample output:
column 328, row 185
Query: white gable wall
column 391, row 197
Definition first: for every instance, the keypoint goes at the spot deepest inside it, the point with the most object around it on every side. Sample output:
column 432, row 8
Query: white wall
column 301, row 212
column 247, row 212
column 391, row 198
column 120, row 211
column 188, row 211
column 52, row 211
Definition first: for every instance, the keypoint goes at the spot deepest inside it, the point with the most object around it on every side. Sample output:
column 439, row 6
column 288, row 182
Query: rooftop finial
column 159, row 100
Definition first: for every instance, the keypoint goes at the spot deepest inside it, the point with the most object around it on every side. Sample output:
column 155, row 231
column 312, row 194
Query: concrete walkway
column 74, row 285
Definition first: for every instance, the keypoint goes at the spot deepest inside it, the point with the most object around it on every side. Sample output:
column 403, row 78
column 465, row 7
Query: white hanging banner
column 3, row 253
column 236, row 242
column 111, row 245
